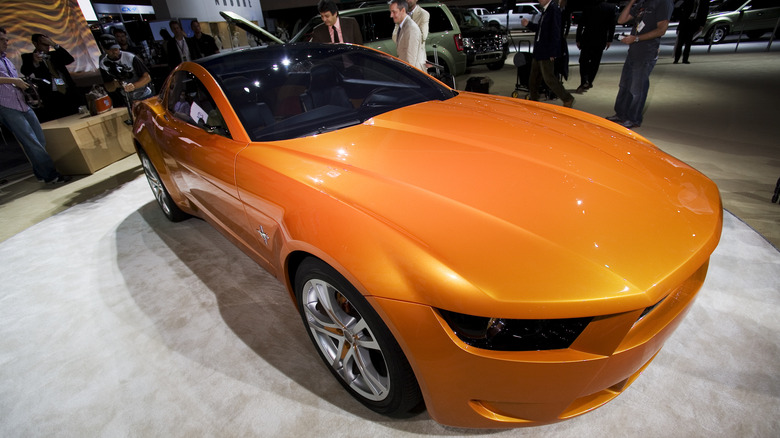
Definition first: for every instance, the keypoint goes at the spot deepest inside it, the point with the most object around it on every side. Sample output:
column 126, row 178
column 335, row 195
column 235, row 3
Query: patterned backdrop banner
column 61, row 20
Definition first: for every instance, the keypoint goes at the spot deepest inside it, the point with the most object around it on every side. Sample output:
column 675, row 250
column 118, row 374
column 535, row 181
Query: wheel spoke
column 367, row 342
column 371, row 378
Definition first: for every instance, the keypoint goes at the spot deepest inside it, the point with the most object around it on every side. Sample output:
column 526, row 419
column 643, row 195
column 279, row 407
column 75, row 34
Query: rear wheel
column 169, row 208
column 354, row 343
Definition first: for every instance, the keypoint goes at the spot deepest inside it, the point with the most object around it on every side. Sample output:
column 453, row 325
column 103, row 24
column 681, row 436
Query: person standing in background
column 206, row 43
column 407, row 35
column 594, row 35
column 47, row 68
column 180, row 48
column 334, row 28
column 547, row 47
column 693, row 15
column 650, row 20
column 421, row 17
column 20, row 119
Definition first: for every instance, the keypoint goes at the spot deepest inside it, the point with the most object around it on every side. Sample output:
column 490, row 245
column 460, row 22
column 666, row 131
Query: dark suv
column 454, row 48
column 483, row 45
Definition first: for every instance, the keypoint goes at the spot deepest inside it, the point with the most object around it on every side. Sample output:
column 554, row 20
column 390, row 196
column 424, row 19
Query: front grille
column 488, row 44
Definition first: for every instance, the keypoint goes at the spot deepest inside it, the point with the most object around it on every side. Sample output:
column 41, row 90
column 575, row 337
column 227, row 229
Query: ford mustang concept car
column 500, row 262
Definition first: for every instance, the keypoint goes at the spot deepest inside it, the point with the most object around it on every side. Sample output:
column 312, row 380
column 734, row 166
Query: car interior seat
column 325, row 88
column 253, row 113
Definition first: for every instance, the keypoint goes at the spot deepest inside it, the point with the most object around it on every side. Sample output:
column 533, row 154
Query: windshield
column 467, row 19
column 297, row 90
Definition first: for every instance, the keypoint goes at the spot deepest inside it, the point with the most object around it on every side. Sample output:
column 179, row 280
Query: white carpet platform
column 115, row 322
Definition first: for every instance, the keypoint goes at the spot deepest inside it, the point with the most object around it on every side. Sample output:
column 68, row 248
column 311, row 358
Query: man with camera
column 123, row 73
column 46, row 67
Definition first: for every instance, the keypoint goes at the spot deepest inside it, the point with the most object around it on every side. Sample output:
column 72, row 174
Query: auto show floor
column 116, row 322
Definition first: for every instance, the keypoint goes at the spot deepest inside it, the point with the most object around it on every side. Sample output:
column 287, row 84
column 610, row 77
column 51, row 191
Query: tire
column 718, row 34
column 164, row 200
column 754, row 35
column 354, row 343
column 515, row 94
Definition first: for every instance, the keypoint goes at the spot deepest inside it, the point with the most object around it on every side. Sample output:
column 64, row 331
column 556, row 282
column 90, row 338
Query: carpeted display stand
column 116, row 322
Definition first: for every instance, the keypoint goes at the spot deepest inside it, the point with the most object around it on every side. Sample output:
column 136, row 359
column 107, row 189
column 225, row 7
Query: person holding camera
column 124, row 74
column 20, row 119
column 47, row 69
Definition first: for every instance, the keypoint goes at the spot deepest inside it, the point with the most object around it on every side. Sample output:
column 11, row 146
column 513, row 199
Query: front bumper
column 475, row 58
column 465, row 386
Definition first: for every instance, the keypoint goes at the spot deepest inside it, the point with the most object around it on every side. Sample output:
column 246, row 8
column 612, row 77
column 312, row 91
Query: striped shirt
column 10, row 96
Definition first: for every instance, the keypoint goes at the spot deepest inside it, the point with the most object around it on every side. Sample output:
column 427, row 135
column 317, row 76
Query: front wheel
column 354, row 343
column 164, row 200
column 718, row 34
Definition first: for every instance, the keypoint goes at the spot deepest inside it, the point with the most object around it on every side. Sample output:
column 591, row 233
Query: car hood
column 525, row 203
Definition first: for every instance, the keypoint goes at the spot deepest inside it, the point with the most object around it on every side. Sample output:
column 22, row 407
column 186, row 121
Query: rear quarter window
column 439, row 20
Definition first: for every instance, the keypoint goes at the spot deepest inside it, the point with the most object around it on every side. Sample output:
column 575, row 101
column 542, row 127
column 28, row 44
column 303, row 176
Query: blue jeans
column 634, row 85
column 27, row 130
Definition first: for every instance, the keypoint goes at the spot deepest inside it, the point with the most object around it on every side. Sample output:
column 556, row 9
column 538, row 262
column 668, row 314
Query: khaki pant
column 546, row 70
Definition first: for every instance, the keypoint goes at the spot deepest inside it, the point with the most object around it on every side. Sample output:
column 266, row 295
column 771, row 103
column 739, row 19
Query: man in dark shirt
column 650, row 19
column 47, row 68
column 206, row 43
column 180, row 48
column 693, row 15
column 594, row 35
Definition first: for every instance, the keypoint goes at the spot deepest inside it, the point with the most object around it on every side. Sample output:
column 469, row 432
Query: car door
column 759, row 15
column 202, row 147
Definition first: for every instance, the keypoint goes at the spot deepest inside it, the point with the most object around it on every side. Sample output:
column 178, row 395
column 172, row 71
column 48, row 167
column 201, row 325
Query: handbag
column 98, row 101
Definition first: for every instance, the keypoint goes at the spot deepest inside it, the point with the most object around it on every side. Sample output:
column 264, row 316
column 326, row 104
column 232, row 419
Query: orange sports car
column 500, row 262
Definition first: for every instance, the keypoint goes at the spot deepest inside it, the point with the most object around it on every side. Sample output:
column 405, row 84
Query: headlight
column 468, row 43
column 515, row 334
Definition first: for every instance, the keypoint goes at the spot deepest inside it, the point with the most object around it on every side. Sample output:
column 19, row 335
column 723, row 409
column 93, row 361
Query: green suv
column 751, row 17
column 377, row 28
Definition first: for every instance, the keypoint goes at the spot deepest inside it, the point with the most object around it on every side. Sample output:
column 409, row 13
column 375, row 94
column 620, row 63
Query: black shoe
column 686, row 62
column 628, row 124
column 62, row 179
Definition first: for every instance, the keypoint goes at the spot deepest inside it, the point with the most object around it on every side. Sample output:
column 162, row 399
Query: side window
column 189, row 101
column 381, row 24
column 439, row 20
column 764, row 4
